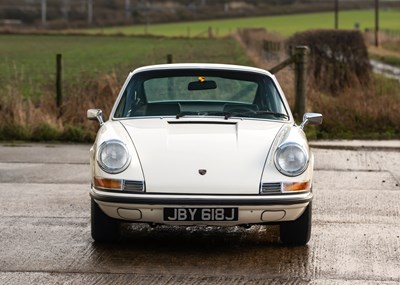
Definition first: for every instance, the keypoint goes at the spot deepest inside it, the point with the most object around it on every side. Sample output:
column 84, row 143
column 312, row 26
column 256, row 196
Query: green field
column 285, row 25
column 27, row 74
column 29, row 61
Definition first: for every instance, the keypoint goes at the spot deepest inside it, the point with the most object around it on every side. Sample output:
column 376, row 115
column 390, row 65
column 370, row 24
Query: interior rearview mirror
column 202, row 85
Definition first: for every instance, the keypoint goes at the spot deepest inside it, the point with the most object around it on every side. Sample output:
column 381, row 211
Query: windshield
column 201, row 92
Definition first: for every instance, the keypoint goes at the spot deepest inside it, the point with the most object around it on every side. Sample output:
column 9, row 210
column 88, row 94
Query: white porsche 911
column 201, row 144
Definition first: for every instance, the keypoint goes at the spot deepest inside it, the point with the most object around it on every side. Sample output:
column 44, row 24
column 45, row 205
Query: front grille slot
column 271, row 188
column 133, row 186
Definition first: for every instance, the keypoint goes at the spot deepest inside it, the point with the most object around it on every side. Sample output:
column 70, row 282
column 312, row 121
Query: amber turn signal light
column 296, row 186
column 105, row 183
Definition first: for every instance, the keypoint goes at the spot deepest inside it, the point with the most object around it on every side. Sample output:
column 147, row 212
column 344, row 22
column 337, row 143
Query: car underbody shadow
column 203, row 236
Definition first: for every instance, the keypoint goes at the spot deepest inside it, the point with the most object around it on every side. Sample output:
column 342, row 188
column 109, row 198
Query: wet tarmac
column 45, row 233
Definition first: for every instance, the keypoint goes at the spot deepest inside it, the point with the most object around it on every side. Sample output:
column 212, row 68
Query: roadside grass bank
column 95, row 68
column 359, row 114
column 391, row 60
column 285, row 25
column 388, row 52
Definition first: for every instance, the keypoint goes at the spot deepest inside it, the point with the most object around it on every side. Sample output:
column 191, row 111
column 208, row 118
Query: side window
column 132, row 99
column 273, row 98
column 269, row 99
column 119, row 112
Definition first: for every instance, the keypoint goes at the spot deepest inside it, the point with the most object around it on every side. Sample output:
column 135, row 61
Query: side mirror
column 95, row 114
column 311, row 118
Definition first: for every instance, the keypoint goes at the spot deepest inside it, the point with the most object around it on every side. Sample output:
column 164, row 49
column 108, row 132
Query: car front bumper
column 252, row 209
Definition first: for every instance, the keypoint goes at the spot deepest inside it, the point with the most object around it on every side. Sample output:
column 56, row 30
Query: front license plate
column 201, row 214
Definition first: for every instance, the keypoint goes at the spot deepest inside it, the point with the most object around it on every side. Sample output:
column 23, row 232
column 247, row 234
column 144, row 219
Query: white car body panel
column 173, row 151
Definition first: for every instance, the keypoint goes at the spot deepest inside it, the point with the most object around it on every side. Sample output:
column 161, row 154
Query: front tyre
column 104, row 228
column 297, row 232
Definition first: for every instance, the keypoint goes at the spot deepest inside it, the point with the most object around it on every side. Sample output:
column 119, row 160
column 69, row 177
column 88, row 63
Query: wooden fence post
column 59, row 80
column 300, row 80
column 300, row 62
column 170, row 84
column 169, row 58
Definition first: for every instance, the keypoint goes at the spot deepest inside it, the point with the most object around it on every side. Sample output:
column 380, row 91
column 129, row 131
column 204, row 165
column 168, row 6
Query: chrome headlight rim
column 105, row 167
column 285, row 172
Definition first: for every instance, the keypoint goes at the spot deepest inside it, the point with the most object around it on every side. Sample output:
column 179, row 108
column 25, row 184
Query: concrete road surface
column 45, row 234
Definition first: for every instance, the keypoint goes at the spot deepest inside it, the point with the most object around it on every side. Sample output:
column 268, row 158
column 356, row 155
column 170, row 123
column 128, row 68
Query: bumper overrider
column 176, row 209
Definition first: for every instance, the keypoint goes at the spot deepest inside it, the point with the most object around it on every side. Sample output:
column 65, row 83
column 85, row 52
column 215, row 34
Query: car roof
column 210, row 66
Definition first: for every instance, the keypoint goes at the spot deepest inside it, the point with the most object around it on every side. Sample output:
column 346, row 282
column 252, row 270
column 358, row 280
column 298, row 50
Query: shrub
column 338, row 59
column 14, row 132
column 77, row 134
column 45, row 132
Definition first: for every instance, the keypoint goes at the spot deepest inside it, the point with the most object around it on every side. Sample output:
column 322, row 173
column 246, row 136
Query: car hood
column 202, row 157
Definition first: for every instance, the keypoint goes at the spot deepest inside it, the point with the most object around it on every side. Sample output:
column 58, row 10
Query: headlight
column 291, row 159
column 113, row 156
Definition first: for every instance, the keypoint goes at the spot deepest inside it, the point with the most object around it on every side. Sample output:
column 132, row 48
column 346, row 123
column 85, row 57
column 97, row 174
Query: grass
column 391, row 60
column 285, row 25
column 30, row 60
column 94, row 70
column 366, row 113
column 388, row 52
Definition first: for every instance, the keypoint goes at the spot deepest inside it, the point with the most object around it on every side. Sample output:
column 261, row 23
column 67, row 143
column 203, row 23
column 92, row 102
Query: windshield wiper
column 227, row 115
column 250, row 113
column 185, row 113
column 276, row 114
